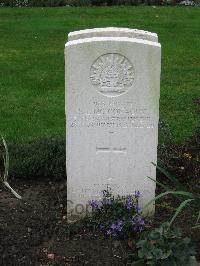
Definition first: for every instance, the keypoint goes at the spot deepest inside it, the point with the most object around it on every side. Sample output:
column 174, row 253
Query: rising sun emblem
column 112, row 74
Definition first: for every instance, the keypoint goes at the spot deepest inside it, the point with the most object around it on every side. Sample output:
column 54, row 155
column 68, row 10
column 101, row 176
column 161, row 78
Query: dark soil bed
column 33, row 231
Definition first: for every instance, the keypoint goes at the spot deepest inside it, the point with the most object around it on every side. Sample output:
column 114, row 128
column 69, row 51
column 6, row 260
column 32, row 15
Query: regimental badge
column 112, row 74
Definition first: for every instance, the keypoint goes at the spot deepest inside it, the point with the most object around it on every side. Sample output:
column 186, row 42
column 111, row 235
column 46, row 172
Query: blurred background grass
column 32, row 64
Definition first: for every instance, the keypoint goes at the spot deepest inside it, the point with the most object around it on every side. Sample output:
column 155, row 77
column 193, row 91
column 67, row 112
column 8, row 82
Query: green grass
column 32, row 64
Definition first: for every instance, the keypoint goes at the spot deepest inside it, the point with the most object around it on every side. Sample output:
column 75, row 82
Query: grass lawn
column 32, row 64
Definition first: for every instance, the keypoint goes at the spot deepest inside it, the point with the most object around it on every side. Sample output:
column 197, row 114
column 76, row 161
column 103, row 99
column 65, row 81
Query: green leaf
column 170, row 262
column 160, row 184
column 193, row 261
column 178, row 185
column 141, row 243
column 179, row 209
column 141, row 254
column 196, row 226
column 177, row 232
column 139, row 263
column 186, row 240
column 182, row 193
column 166, row 254
column 198, row 217
column 151, row 263
column 154, row 235
column 157, row 253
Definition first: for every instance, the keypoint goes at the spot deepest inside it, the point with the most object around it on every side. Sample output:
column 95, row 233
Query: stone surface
column 112, row 111
column 113, row 32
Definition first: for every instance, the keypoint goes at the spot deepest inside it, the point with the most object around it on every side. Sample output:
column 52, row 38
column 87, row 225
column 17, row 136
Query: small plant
column 117, row 216
column 164, row 246
column 188, row 198
column 4, row 178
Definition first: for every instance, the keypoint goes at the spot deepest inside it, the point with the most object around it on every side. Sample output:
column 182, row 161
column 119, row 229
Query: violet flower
column 113, row 226
column 93, row 203
column 138, row 224
column 119, row 226
column 137, row 194
column 137, row 208
column 129, row 203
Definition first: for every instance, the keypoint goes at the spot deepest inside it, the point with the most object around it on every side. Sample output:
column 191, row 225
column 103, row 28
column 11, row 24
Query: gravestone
column 113, row 32
column 112, row 80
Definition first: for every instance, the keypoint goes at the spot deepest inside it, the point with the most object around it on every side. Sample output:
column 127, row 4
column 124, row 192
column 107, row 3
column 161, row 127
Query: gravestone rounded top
column 113, row 32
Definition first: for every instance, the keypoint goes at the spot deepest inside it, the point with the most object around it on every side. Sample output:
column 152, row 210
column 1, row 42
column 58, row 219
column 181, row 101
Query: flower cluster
column 128, row 203
column 135, row 225
column 117, row 216
column 115, row 228
column 138, row 224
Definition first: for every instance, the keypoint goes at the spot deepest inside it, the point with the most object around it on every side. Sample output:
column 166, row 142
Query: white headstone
column 113, row 32
column 112, row 112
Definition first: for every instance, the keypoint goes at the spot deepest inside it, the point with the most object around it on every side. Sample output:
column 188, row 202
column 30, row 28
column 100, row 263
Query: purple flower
column 138, row 224
column 116, row 227
column 137, row 208
column 139, row 220
column 129, row 203
column 119, row 226
column 93, row 203
column 137, row 194
column 113, row 226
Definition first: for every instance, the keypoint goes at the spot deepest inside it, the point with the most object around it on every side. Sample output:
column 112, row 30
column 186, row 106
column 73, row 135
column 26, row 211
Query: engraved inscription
column 95, row 190
column 112, row 74
column 106, row 121
column 100, row 114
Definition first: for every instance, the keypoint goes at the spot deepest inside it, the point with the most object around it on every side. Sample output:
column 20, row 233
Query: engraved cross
column 111, row 150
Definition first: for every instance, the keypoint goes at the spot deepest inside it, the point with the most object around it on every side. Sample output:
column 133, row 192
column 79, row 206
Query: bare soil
column 34, row 231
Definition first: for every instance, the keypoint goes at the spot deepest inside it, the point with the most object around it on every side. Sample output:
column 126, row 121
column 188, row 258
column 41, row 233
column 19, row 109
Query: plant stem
column 12, row 190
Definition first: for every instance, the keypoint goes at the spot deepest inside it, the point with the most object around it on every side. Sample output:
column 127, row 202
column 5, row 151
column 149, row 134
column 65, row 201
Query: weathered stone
column 112, row 111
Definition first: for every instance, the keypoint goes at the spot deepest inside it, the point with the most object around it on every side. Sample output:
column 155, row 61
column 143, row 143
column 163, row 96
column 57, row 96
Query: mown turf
column 32, row 64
